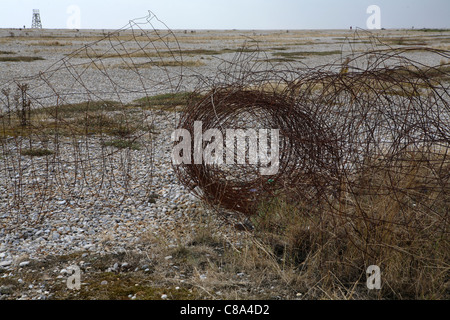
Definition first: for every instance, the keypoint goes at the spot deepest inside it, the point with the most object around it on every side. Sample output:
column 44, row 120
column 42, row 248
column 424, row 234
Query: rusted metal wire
column 367, row 126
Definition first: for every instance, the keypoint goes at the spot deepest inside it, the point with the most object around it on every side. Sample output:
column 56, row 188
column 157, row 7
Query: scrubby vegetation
column 19, row 59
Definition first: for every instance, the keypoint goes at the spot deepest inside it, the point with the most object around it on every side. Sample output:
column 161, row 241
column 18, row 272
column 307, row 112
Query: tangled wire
column 376, row 124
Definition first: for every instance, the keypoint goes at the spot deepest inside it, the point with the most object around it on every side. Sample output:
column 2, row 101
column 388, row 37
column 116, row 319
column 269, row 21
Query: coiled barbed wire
column 341, row 126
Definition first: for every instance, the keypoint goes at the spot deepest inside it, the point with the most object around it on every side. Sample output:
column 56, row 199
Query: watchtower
column 36, row 23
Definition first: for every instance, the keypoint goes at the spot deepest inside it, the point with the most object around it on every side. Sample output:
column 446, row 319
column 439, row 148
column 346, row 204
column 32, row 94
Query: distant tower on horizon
column 36, row 23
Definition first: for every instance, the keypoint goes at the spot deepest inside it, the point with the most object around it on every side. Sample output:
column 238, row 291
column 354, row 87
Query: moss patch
column 124, row 286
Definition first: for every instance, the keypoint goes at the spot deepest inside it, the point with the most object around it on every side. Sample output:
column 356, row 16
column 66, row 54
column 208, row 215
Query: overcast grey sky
column 227, row 14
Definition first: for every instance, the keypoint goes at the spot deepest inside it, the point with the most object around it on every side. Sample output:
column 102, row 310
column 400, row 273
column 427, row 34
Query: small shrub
column 36, row 152
column 302, row 54
column 123, row 144
column 20, row 59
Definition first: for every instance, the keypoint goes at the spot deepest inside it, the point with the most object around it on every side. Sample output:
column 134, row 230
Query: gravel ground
column 100, row 223
column 97, row 221
column 98, row 226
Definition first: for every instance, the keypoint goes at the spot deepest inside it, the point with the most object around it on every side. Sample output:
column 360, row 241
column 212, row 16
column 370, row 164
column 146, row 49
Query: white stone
column 5, row 263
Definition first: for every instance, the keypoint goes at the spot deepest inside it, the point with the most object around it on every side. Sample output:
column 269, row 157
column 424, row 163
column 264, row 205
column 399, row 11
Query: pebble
column 55, row 235
column 5, row 263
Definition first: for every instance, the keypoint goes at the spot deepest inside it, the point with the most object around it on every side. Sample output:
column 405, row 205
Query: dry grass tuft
column 404, row 231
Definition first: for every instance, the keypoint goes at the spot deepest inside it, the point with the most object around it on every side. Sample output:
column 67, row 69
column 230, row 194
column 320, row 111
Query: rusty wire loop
column 377, row 124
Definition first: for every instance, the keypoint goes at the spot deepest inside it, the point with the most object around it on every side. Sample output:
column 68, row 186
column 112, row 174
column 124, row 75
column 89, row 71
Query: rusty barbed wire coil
column 380, row 112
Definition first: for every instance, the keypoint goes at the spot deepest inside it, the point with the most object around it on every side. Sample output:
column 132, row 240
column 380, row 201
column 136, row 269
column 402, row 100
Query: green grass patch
column 122, row 144
column 38, row 152
column 206, row 52
column 167, row 63
column 51, row 43
column 401, row 41
column 168, row 101
column 217, row 52
column 431, row 30
column 437, row 74
column 303, row 54
column 442, row 72
column 173, row 63
column 71, row 110
column 99, row 123
column 279, row 48
column 157, row 54
column 20, row 59
column 280, row 60
column 123, row 286
column 14, row 130
column 87, row 118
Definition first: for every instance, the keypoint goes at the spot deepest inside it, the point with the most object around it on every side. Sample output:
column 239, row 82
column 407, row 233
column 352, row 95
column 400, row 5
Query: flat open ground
column 160, row 242
column 201, row 51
